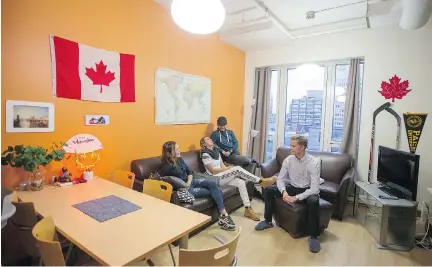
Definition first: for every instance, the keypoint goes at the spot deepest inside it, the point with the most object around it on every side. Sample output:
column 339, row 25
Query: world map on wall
column 182, row 98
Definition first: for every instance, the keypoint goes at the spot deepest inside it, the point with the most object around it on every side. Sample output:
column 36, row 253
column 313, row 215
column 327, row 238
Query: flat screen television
column 398, row 172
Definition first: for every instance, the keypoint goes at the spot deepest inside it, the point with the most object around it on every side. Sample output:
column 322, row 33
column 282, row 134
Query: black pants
column 312, row 202
column 237, row 159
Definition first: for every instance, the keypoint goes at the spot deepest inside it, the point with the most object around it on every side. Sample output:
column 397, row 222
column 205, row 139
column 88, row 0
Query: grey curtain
column 259, row 120
column 351, row 111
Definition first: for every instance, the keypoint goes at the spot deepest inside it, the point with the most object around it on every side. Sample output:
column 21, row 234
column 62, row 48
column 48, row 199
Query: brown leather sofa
column 336, row 170
column 144, row 168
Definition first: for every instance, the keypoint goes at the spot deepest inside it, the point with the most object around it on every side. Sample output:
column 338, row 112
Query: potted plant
column 31, row 158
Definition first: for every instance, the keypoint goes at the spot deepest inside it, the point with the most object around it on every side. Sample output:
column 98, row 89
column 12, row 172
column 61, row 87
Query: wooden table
column 122, row 240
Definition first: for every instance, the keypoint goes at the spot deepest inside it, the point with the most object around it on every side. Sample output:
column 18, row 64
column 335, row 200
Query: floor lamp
column 250, row 136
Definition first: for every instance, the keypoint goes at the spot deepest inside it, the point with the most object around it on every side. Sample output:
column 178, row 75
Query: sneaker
column 262, row 225
column 226, row 223
column 249, row 213
column 314, row 245
column 267, row 181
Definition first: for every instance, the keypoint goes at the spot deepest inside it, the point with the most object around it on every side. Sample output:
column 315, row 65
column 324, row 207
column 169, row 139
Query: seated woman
column 174, row 165
column 234, row 176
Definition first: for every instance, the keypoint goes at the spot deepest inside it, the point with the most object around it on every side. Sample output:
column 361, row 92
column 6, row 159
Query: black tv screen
column 399, row 170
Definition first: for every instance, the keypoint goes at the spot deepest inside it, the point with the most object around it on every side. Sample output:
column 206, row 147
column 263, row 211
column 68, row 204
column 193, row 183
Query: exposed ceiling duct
column 415, row 13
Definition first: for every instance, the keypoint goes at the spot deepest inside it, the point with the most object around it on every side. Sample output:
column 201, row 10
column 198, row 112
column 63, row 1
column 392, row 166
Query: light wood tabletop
column 122, row 240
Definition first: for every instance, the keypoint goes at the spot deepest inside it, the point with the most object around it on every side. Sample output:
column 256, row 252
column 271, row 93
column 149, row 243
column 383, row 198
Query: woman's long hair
column 168, row 153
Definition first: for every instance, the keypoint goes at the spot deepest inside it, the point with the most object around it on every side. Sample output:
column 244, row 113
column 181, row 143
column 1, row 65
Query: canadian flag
column 88, row 73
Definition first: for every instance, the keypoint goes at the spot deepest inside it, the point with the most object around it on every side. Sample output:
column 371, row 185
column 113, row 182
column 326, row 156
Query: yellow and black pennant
column 414, row 123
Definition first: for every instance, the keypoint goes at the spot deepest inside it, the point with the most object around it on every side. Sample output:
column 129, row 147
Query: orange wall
column 140, row 27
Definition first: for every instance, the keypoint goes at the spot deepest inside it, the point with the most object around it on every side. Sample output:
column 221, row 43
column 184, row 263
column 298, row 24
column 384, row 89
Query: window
column 312, row 100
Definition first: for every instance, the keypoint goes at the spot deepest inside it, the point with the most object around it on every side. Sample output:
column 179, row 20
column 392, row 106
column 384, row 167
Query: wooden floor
column 343, row 243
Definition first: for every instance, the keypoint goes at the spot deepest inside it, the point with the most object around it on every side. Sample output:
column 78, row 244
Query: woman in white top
column 230, row 175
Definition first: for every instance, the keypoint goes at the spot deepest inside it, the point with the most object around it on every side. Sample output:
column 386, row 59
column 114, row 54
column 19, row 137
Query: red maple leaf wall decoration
column 394, row 89
column 100, row 76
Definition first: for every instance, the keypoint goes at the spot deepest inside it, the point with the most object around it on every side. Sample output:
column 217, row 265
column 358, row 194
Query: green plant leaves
column 31, row 157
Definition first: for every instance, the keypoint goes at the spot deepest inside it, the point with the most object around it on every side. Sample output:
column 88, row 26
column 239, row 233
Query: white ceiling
column 260, row 24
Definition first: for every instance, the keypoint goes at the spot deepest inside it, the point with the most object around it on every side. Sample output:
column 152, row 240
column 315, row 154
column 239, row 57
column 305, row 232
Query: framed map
column 182, row 98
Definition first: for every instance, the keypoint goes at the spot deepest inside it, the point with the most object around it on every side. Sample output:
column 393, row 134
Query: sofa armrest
column 342, row 194
column 270, row 168
column 348, row 176
column 175, row 199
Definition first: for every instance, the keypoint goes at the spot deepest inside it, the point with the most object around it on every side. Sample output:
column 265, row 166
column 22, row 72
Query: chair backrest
column 124, row 178
column 223, row 255
column 24, row 220
column 158, row 189
column 25, row 214
column 47, row 242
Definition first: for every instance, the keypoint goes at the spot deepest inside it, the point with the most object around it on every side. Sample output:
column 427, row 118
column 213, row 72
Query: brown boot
column 251, row 214
column 267, row 181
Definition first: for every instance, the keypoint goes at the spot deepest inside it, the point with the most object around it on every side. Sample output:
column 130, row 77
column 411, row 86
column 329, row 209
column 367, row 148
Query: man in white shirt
column 298, row 181
column 230, row 175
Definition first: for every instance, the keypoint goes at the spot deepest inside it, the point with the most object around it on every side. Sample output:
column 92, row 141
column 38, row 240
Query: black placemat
column 106, row 208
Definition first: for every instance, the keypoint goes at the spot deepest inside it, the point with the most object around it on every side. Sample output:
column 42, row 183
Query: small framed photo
column 94, row 120
column 29, row 117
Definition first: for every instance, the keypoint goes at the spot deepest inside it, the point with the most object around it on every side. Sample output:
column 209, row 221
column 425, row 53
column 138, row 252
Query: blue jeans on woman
column 204, row 187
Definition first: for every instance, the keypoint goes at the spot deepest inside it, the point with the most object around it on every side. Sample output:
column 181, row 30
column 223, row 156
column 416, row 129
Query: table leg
column 384, row 225
column 184, row 242
column 356, row 200
column 69, row 253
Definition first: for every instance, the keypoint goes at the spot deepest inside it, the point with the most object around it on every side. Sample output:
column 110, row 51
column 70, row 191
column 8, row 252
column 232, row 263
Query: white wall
column 387, row 51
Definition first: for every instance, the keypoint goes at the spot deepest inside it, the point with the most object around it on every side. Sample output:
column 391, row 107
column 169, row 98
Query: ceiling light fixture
column 198, row 16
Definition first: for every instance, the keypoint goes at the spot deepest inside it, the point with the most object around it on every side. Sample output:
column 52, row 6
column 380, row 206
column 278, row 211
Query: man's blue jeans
column 204, row 187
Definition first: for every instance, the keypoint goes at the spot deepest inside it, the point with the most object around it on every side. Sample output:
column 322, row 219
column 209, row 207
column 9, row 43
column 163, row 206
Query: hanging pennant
column 414, row 123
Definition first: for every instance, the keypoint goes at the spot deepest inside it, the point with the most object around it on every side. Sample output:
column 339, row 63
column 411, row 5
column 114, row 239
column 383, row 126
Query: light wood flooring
column 343, row 243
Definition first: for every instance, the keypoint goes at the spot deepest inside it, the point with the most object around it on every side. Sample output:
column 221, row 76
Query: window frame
column 329, row 83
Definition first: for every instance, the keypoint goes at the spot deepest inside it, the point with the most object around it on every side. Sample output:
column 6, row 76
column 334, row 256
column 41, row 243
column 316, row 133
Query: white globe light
column 198, row 16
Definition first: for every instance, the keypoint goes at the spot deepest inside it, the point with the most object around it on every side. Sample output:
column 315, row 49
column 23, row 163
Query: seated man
column 298, row 181
column 235, row 176
column 227, row 142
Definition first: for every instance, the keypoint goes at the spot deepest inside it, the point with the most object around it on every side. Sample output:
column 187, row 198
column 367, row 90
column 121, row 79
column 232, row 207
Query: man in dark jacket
column 227, row 142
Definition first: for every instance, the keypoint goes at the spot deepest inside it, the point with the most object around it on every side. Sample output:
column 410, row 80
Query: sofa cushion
column 329, row 191
column 200, row 204
column 176, row 182
column 329, row 187
column 229, row 191
column 193, row 160
column 204, row 203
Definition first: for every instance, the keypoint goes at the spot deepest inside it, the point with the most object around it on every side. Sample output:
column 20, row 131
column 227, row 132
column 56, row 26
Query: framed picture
column 29, row 117
column 95, row 120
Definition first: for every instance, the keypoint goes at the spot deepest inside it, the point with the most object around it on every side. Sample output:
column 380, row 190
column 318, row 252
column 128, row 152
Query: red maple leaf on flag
column 394, row 89
column 100, row 76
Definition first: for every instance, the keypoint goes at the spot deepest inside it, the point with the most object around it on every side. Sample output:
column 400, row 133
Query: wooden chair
column 161, row 190
column 224, row 255
column 23, row 221
column 124, row 178
column 47, row 242
column 158, row 189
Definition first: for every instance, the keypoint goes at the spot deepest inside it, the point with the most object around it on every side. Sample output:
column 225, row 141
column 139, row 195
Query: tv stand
column 391, row 222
